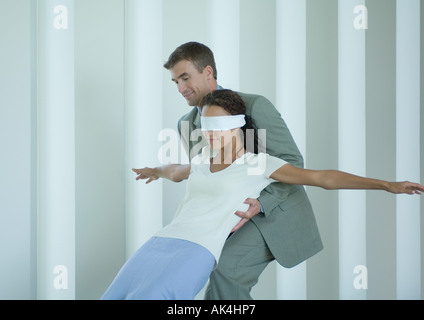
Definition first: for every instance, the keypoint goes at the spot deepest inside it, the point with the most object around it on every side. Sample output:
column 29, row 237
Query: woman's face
column 218, row 139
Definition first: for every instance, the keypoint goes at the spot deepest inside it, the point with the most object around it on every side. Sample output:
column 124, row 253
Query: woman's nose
column 209, row 134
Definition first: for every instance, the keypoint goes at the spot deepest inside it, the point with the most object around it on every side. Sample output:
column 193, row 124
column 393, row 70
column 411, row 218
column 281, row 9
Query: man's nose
column 181, row 88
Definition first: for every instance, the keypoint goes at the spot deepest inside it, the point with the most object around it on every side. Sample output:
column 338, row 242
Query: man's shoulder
column 251, row 98
column 189, row 116
column 256, row 102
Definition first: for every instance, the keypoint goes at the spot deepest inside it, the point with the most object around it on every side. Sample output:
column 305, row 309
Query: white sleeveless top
column 206, row 215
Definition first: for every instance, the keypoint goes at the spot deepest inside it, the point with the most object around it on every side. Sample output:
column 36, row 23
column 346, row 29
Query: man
column 280, row 224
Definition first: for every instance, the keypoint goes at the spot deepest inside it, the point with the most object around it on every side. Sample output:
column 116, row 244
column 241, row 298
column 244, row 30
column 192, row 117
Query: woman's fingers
column 145, row 173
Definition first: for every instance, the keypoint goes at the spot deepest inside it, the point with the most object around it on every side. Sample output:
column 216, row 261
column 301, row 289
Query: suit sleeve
column 280, row 144
column 184, row 138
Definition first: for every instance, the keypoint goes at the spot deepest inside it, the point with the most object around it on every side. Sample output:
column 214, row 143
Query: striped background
column 80, row 107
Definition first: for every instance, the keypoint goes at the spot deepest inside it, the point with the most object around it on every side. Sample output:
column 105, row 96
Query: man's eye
column 185, row 79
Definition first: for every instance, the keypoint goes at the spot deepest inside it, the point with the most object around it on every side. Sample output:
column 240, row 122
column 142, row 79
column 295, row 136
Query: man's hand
column 254, row 209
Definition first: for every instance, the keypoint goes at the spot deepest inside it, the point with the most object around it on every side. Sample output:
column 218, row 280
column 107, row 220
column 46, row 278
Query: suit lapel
column 196, row 120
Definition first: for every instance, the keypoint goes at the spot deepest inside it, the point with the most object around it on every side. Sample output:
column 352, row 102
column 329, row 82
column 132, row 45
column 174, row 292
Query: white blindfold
column 222, row 123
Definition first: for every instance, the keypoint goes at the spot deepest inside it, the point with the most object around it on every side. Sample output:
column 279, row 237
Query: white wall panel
column 56, row 151
column 18, row 125
column 408, row 147
column 291, row 102
column 224, row 20
column 352, row 146
column 143, row 82
column 102, row 94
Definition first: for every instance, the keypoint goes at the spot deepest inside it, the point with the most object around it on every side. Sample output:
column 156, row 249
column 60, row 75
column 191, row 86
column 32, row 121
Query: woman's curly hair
column 231, row 102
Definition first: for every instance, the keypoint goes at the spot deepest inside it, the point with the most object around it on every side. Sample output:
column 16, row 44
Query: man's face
column 192, row 84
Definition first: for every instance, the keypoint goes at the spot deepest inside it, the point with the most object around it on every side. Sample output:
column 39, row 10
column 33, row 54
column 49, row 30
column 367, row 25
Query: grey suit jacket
column 288, row 223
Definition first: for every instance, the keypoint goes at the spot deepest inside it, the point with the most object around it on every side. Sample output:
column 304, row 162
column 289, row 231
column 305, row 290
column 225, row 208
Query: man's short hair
column 199, row 54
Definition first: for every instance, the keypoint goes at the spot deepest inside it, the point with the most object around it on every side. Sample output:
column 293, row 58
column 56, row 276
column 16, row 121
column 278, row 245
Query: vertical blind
column 348, row 88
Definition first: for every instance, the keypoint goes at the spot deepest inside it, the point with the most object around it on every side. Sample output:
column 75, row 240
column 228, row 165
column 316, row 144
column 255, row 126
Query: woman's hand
column 173, row 172
column 405, row 187
column 146, row 173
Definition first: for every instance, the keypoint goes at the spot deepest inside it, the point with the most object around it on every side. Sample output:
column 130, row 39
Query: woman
column 177, row 261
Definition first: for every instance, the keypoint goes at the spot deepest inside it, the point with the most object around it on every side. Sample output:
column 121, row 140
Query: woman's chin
column 214, row 146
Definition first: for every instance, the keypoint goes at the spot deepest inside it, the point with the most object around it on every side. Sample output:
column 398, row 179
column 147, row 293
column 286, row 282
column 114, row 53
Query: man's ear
column 208, row 71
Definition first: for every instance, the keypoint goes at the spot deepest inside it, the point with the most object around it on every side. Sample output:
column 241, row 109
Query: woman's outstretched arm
column 334, row 179
column 173, row 172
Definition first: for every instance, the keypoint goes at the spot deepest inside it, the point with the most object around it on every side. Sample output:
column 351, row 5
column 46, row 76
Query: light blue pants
column 163, row 269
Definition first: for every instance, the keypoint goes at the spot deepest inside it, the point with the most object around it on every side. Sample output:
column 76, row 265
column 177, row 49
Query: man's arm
column 279, row 143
